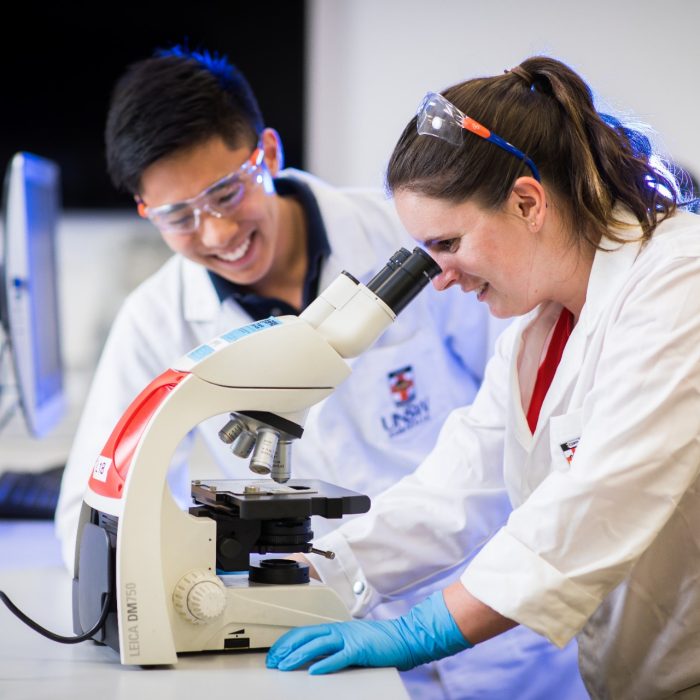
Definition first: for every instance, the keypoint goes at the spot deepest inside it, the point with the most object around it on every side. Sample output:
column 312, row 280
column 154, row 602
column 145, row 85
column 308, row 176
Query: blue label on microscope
column 238, row 333
column 200, row 353
column 205, row 350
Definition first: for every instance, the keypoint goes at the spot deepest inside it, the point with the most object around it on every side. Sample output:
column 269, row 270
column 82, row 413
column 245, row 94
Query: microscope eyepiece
column 395, row 261
column 350, row 316
column 400, row 280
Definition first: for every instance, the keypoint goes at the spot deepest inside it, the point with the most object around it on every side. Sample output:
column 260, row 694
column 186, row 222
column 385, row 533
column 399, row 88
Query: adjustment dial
column 200, row 597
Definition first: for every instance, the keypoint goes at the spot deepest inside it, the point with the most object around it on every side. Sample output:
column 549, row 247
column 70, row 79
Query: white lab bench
column 33, row 667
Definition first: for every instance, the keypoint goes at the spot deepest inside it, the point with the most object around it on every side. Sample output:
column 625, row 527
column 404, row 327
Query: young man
column 186, row 138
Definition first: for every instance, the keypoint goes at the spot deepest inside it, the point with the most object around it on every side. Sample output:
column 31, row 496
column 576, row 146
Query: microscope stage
column 265, row 499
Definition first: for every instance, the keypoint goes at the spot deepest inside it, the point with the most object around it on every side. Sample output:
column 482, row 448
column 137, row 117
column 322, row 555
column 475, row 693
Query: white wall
column 370, row 62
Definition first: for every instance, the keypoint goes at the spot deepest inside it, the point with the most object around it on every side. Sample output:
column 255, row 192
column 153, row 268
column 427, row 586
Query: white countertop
column 33, row 667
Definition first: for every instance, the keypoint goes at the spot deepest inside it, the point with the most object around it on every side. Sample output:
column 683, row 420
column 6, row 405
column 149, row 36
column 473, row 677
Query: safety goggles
column 437, row 116
column 218, row 200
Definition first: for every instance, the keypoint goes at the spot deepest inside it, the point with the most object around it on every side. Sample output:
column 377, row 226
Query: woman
column 589, row 416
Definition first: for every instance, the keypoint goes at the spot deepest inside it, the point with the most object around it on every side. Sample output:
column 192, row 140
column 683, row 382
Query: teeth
column 482, row 289
column 236, row 254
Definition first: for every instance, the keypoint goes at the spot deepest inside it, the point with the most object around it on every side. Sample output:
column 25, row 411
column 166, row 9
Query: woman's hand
column 425, row 633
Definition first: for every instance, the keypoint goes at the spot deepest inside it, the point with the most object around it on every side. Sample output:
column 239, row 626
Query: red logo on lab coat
column 402, row 386
column 569, row 449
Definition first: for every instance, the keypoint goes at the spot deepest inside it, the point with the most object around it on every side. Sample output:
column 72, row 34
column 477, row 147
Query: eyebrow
column 181, row 204
column 430, row 242
column 175, row 206
column 222, row 182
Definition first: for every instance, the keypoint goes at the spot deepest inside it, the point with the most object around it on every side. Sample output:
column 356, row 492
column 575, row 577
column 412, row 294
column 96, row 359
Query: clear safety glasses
column 218, row 200
column 437, row 116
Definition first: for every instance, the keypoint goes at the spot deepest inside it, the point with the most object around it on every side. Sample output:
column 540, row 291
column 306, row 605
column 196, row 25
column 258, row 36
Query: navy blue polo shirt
column 317, row 249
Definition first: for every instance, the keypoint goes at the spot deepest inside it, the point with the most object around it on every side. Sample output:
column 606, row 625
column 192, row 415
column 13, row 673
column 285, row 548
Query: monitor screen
column 29, row 281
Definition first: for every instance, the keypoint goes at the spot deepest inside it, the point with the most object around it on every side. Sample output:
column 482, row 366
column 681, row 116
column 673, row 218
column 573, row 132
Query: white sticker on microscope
column 101, row 468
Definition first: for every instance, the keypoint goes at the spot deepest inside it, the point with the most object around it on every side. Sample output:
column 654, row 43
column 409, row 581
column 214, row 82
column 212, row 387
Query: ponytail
column 590, row 160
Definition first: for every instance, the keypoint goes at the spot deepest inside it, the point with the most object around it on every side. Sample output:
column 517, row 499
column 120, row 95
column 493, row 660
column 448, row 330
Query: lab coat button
column 358, row 587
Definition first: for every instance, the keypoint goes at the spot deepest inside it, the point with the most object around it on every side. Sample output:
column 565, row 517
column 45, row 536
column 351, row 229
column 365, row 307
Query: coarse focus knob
column 199, row 597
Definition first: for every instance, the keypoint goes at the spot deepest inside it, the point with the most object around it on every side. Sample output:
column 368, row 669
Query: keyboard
column 31, row 495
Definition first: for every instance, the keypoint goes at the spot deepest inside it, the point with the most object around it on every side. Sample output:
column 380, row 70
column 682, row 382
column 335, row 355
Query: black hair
column 172, row 101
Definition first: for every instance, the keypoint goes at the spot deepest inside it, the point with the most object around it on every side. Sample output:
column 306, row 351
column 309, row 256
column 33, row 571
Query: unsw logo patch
column 410, row 409
column 402, row 386
column 569, row 449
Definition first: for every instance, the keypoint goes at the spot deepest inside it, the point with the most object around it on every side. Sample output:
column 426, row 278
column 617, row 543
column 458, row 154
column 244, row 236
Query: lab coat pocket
column 564, row 434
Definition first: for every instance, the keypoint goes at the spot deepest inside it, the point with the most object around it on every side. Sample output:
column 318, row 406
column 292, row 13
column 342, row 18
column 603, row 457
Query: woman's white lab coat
column 604, row 537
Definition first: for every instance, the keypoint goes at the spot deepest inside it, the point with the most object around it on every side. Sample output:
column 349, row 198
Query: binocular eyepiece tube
column 400, row 280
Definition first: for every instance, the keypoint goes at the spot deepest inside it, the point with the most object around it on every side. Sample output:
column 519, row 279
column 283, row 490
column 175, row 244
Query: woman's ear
column 528, row 201
column 273, row 149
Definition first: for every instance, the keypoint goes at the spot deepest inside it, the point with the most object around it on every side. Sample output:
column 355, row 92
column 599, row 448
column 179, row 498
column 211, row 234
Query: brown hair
column 589, row 160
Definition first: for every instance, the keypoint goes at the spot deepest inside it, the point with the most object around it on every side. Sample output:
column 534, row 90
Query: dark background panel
column 60, row 61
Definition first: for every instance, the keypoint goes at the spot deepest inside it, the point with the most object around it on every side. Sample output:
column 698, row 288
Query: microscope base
column 256, row 615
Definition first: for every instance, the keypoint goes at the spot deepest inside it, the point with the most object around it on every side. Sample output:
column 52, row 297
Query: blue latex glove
column 427, row 632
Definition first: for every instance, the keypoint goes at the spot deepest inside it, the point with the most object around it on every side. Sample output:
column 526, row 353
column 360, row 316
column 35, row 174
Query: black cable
column 51, row 635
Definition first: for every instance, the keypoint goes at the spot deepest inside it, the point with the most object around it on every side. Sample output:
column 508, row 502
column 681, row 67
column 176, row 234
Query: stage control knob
column 199, row 597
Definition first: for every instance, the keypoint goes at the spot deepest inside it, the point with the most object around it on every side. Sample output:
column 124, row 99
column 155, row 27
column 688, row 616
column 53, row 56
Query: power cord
column 51, row 635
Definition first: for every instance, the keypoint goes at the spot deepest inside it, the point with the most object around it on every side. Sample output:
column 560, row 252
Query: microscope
column 163, row 581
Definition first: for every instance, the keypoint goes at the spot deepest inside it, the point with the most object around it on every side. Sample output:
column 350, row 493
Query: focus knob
column 199, row 597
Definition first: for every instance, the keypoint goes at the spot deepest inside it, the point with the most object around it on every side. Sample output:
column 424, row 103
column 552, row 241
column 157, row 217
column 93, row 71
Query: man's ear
column 528, row 201
column 274, row 151
column 140, row 206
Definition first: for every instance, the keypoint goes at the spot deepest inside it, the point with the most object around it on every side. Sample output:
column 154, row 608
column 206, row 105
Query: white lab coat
column 604, row 544
column 359, row 437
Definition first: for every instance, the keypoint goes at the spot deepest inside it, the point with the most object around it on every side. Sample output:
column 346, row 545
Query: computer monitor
column 29, row 296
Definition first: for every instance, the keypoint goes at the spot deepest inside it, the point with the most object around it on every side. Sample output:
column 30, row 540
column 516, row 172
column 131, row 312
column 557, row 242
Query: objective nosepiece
column 400, row 280
column 264, row 454
column 282, row 464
